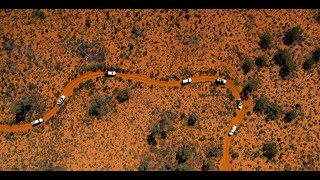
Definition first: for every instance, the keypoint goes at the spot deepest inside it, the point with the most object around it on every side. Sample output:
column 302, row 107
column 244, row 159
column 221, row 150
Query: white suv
column 111, row 73
column 60, row 101
column 232, row 130
column 239, row 103
column 38, row 121
column 221, row 81
column 187, row 81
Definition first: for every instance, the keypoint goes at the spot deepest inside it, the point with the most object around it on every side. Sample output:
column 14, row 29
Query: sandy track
column 225, row 162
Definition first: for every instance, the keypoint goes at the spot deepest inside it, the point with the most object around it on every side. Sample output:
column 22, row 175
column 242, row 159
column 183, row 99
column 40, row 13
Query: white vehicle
column 60, row 101
column 38, row 121
column 222, row 81
column 111, row 73
column 232, row 130
column 187, row 81
column 239, row 103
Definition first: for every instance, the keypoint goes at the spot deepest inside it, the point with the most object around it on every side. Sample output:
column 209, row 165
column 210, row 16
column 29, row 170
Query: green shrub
column 308, row 63
column 283, row 58
column 123, row 95
column 290, row 116
column 269, row 150
column 247, row 66
column 316, row 55
column 261, row 61
column 293, row 34
column 183, row 154
column 265, row 41
column 192, row 119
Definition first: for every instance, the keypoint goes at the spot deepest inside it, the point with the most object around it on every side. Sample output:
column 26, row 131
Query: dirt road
column 225, row 162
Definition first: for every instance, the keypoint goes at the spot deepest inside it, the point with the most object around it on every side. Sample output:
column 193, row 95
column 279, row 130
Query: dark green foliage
column 308, row 63
column 261, row 61
column 283, row 58
column 247, row 66
column 169, row 166
column 88, row 22
column 192, row 119
column 38, row 13
column 95, row 106
column 183, row 154
column 123, row 95
column 265, row 41
column 144, row 166
column 21, row 107
column 294, row 34
column 272, row 110
column 270, row 150
column 316, row 55
column 183, row 167
column 207, row 166
column 317, row 17
column 214, row 152
column 251, row 86
column 151, row 139
column 234, row 155
column 290, row 116
column 234, row 114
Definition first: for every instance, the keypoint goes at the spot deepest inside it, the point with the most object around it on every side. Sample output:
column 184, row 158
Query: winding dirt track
column 225, row 162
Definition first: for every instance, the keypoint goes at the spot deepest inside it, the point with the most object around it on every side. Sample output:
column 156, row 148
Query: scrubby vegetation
column 252, row 85
column 270, row 150
column 192, row 119
column 183, row 154
column 123, row 95
column 283, row 58
column 261, row 61
column 292, row 35
column 247, row 66
column 265, row 41
column 290, row 116
column 271, row 109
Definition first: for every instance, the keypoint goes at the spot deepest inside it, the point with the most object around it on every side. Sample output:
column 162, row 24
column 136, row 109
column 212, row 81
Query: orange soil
column 225, row 165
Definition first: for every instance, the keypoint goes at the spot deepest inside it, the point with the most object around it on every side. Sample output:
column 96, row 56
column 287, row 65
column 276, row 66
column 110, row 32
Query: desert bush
column 8, row 44
column 192, row 119
column 265, row 41
column 293, row 34
column 269, row 150
column 183, row 154
column 272, row 110
column 316, row 55
column 234, row 155
column 261, row 61
column 38, row 13
column 308, row 63
column 207, row 166
column 95, row 106
column 252, row 85
column 184, row 167
column 123, row 95
column 283, row 58
column 152, row 140
column 214, row 152
column 144, row 166
column 290, row 116
column 21, row 107
column 317, row 17
column 88, row 22
column 247, row 66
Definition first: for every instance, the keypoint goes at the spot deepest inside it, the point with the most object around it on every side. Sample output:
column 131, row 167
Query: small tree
column 316, row 55
column 249, row 87
column 283, row 58
column 269, row 150
column 192, row 119
column 247, row 65
column 261, row 105
column 234, row 155
column 290, row 116
column 207, row 166
column 317, row 17
column 294, row 34
column 308, row 63
column 95, row 105
column 88, row 22
column 183, row 154
column 123, row 95
column 265, row 41
column 214, row 152
column 261, row 61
